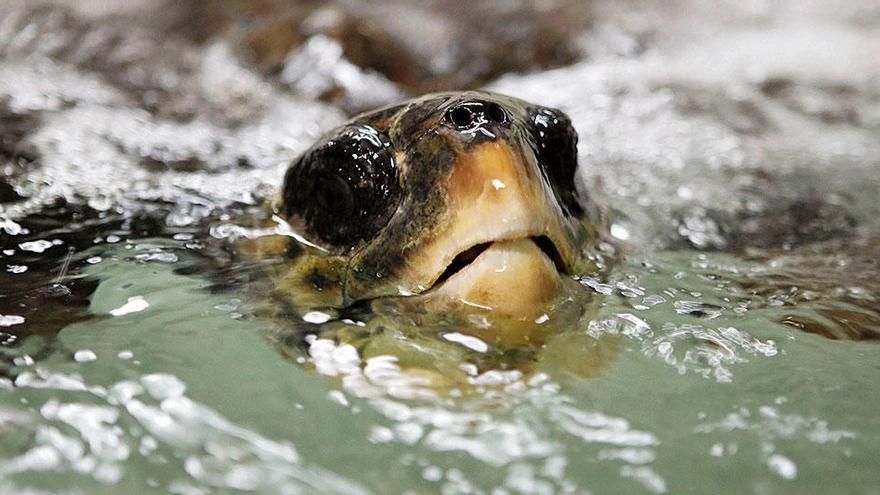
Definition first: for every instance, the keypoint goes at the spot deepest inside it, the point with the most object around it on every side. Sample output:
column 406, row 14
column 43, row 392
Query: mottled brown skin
column 454, row 211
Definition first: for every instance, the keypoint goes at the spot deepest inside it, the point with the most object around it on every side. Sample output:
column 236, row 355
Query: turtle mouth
column 465, row 258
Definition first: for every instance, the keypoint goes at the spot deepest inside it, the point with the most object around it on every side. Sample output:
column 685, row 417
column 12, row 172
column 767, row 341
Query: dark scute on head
column 555, row 142
column 416, row 118
column 344, row 189
column 430, row 159
column 380, row 119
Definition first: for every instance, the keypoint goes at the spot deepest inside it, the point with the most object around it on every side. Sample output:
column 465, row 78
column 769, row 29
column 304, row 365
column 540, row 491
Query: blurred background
column 355, row 55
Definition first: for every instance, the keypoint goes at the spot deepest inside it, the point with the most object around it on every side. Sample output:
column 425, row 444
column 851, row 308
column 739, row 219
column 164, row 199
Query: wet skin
column 454, row 213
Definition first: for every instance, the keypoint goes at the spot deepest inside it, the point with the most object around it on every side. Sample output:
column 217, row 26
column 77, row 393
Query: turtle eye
column 334, row 196
column 343, row 191
column 555, row 142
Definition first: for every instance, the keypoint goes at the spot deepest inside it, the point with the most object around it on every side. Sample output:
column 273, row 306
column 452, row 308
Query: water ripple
column 219, row 453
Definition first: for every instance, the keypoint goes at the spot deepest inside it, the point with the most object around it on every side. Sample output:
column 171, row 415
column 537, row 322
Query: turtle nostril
column 495, row 113
column 472, row 114
column 461, row 116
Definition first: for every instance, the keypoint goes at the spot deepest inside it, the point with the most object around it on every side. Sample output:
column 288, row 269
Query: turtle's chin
column 508, row 293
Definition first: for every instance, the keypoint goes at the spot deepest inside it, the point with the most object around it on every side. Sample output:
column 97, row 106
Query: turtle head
column 450, row 201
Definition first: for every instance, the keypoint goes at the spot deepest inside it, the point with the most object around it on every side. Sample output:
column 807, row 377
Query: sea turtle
column 456, row 217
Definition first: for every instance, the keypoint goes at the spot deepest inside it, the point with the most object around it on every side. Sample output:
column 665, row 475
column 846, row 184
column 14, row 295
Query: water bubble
column 24, row 360
column 316, row 317
column 84, row 356
column 783, row 466
column 468, row 341
column 163, row 386
column 619, row 231
column 38, row 246
column 10, row 227
column 333, row 360
column 432, row 473
column 646, row 476
column 379, row 434
column 596, row 285
column 338, row 397
column 161, row 257
column 134, row 305
column 7, row 338
column 10, row 320
column 697, row 308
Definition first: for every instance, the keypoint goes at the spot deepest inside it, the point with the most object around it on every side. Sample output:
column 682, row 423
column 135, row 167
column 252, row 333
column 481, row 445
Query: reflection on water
column 731, row 347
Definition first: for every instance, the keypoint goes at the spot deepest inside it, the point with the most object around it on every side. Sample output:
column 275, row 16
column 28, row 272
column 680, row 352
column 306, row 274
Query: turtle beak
column 505, row 249
column 500, row 205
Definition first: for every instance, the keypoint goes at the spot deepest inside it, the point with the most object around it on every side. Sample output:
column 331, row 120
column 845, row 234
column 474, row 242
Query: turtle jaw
column 513, row 277
column 504, row 292
column 469, row 256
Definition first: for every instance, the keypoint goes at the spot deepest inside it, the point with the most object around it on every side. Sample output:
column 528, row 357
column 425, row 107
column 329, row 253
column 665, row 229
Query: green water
column 186, row 395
